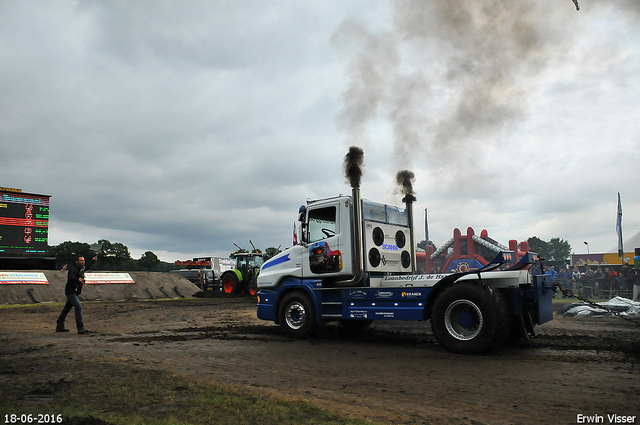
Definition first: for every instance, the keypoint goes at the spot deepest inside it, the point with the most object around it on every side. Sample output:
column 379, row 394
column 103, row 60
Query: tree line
column 110, row 256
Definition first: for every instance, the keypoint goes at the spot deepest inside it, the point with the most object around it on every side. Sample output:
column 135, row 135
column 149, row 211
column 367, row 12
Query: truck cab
column 324, row 252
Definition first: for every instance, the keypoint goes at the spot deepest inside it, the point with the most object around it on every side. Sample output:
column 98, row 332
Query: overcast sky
column 181, row 127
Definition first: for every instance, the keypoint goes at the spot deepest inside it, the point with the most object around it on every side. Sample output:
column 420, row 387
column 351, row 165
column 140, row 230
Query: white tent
column 629, row 244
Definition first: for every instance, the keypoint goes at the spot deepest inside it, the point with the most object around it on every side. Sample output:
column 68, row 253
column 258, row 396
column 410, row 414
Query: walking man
column 75, row 281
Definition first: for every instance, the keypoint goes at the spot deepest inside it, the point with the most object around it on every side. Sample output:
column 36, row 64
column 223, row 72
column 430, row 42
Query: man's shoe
column 81, row 329
column 61, row 328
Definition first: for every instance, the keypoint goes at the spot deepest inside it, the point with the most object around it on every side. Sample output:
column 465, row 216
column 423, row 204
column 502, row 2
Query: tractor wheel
column 252, row 287
column 297, row 315
column 230, row 282
column 468, row 318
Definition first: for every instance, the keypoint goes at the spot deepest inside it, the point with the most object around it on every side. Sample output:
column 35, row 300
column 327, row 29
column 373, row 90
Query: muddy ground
column 392, row 373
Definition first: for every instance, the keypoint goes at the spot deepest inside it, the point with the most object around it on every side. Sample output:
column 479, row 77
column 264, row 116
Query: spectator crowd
column 598, row 281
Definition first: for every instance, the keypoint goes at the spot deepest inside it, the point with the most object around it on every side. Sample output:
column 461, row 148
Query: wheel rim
column 463, row 320
column 295, row 315
column 227, row 285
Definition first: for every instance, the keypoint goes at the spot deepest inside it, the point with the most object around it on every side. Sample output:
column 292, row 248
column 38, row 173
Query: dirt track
column 392, row 373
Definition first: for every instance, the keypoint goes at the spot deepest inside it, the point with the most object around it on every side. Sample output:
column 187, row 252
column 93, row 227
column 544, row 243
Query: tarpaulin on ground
column 624, row 306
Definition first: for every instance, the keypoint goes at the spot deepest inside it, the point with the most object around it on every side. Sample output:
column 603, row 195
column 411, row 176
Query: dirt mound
column 148, row 285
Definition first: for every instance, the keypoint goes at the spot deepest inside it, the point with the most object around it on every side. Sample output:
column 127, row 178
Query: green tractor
column 243, row 277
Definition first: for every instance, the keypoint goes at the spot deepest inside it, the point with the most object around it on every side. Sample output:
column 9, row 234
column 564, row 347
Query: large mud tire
column 252, row 287
column 468, row 318
column 230, row 283
column 504, row 320
column 297, row 315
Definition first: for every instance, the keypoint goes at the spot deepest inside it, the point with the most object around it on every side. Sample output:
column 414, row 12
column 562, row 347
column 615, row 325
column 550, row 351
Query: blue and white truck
column 356, row 263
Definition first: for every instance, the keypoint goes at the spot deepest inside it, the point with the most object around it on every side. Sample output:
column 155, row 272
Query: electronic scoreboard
column 24, row 222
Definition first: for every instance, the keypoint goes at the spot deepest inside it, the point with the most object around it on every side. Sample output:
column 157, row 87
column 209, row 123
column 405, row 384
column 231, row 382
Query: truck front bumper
column 266, row 308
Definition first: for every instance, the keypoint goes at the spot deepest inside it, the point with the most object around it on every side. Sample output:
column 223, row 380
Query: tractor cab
column 248, row 260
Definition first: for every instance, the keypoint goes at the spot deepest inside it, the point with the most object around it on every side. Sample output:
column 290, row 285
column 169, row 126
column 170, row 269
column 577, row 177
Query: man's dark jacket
column 74, row 286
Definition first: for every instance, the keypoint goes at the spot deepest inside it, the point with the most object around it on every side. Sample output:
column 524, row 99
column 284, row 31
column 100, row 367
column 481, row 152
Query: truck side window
column 322, row 223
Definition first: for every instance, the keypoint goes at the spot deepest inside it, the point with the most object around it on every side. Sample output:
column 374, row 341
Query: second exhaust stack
column 405, row 179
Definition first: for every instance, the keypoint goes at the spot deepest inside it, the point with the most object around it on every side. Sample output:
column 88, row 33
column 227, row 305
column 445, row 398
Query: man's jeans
column 72, row 301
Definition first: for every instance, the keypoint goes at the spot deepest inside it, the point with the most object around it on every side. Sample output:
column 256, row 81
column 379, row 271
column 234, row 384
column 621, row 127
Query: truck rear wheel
column 230, row 282
column 297, row 315
column 504, row 320
column 467, row 318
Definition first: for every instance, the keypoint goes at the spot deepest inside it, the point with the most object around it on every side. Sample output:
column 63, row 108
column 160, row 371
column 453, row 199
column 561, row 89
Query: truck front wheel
column 297, row 315
column 466, row 318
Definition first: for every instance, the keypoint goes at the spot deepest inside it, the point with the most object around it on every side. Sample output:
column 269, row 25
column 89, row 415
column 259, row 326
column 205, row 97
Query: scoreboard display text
column 24, row 222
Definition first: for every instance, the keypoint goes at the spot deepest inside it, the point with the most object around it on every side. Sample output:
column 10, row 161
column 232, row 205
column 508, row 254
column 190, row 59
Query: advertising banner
column 23, row 278
column 99, row 278
column 601, row 259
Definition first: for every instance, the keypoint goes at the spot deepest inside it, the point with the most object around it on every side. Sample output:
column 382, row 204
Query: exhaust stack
column 405, row 179
column 353, row 161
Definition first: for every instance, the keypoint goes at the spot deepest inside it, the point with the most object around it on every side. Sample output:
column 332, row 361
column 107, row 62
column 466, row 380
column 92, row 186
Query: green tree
column 559, row 249
column 149, row 260
column 65, row 252
column 113, row 256
column 271, row 252
column 538, row 246
column 555, row 250
column 113, row 250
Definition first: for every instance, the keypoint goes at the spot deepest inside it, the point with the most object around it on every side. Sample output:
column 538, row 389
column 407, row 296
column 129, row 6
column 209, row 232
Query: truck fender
column 439, row 287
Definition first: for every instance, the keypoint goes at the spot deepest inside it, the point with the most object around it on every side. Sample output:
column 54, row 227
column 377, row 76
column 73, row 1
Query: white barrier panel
column 99, row 278
column 23, row 278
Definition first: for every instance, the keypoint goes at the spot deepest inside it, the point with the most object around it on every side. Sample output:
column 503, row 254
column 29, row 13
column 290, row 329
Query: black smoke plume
column 405, row 179
column 353, row 161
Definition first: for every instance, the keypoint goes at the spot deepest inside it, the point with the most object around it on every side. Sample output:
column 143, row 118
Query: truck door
column 325, row 244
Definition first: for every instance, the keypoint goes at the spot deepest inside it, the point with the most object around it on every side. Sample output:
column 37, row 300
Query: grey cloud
column 190, row 125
